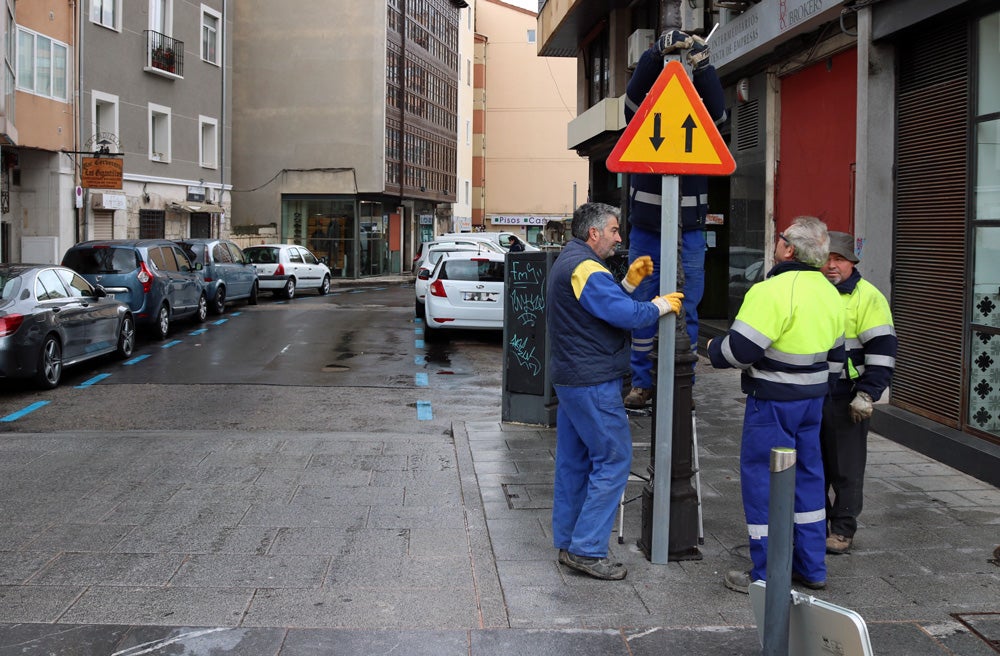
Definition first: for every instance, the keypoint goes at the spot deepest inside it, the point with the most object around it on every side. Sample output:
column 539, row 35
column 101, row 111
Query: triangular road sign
column 672, row 133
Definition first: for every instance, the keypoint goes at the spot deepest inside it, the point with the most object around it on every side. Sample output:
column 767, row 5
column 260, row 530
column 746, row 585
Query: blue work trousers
column 643, row 242
column 593, row 457
column 791, row 424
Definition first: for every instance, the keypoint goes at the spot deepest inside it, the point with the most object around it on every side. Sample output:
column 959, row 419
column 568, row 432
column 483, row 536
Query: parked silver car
column 228, row 274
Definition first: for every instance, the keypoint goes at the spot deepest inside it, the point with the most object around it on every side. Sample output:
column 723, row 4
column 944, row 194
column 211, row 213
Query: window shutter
column 929, row 288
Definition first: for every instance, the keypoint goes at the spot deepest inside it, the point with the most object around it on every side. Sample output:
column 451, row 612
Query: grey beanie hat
column 842, row 244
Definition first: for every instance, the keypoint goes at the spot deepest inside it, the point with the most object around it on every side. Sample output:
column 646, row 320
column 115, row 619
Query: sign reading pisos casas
column 102, row 172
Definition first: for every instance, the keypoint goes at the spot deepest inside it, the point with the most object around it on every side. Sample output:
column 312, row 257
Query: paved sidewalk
column 368, row 543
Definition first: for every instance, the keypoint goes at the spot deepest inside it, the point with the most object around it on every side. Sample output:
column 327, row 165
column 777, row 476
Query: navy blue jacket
column 645, row 191
column 589, row 317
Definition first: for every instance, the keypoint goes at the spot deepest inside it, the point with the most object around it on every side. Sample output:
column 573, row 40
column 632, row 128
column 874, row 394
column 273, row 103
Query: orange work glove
column 669, row 303
column 637, row 272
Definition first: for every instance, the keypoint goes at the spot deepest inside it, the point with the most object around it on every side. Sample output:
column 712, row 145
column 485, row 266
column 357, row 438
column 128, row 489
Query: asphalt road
column 352, row 358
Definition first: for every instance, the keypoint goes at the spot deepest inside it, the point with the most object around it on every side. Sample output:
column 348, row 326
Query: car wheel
column 289, row 291
column 419, row 310
column 162, row 326
column 202, row 313
column 324, row 288
column 126, row 338
column 219, row 302
column 50, row 363
column 252, row 299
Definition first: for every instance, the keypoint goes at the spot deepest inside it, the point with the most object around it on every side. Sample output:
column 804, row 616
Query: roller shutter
column 929, row 278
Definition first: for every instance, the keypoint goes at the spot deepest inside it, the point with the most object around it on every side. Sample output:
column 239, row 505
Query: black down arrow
column 656, row 139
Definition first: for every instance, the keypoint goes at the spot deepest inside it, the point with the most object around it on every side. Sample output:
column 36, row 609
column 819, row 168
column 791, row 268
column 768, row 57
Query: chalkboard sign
column 524, row 322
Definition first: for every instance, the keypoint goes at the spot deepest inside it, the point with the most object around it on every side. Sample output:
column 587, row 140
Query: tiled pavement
column 222, row 544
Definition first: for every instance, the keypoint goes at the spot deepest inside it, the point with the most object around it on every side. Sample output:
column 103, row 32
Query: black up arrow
column 656, row 139
column 689, row 125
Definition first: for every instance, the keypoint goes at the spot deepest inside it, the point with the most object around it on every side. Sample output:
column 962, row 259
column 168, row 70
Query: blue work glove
column 672, row 41
column 697, row 54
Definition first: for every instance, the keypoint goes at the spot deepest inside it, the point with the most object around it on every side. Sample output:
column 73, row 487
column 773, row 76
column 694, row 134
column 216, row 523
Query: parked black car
column 50, row 318
column 154, row 277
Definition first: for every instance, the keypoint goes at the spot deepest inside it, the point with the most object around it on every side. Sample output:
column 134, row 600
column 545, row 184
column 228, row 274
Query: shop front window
column 984, row 383
column 327, row 227
column 373, row 242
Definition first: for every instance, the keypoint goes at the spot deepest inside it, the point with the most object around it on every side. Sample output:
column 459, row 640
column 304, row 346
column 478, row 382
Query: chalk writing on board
column 526, row 298
column 524, row 351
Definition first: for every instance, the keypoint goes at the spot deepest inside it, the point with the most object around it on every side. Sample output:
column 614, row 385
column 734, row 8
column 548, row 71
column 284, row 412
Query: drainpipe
column 222, row 108
column 81, row 213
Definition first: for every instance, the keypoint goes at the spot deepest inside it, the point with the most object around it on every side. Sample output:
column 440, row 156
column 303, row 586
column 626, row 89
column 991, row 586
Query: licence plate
column 480, row 296
column 111, row 296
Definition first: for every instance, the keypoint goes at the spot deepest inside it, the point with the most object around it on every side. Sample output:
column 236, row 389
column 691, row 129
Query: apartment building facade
column 880, row 118
column 347, row 119
column 137, row 89
column 526, row 179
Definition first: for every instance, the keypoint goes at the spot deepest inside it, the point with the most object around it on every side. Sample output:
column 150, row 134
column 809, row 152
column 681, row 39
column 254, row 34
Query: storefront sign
column 766, row 24
column 426, row 219
column 102, row 172
column 109, row 202
column 522, row 219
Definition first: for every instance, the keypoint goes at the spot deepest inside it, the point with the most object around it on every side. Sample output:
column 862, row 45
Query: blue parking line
column 420, row 359
column 96, row 379
column 424, row 411
column 417, row 320
column 173, row 342
column 357, row 291
column 198, row 332
column 14, row 416
column 418, row 331
column 421, row 380
column 235, row 314
column 136, row 359
column 219, row 322
column 418, row 343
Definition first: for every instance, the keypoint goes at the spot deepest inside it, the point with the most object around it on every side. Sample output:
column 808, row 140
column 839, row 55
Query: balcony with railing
column 164, row 55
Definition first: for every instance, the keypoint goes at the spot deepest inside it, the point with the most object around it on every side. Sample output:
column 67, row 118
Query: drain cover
column 334, row 368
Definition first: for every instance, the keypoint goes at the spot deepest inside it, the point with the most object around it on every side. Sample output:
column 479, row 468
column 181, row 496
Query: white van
column 501, row 238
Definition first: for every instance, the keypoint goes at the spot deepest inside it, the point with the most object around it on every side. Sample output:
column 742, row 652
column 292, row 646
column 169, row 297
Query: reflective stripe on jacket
column 788, row 337
column 870, row 339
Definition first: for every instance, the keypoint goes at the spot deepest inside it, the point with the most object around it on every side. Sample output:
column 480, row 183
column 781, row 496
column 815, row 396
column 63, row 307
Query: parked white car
column 431, row 257
column 285, row 268
column 501, row 239
column 423, row 248
column 465, row 290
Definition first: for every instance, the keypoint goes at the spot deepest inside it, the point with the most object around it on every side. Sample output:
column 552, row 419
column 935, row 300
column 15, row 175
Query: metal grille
column 151, row 224
column 747, row 122
column 929, row 285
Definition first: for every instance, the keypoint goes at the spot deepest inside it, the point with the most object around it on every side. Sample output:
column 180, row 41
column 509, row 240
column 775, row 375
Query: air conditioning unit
column 693, row 16
column 638, row 42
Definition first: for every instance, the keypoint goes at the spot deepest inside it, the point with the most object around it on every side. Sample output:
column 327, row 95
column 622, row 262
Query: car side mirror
column 99, row 291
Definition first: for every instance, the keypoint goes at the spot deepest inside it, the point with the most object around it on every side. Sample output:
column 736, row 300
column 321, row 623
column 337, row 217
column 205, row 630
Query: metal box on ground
column 816, row 627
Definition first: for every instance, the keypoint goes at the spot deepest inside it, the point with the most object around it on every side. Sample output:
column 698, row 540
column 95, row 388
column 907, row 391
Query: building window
column 531, row 36
column 466, row 192
column 597, row 63
column 201, row 226
column 104, row 121
column 41, row 65
column 159, row 133
column 161, row 16
column 106, row 13
column 151, row 224
column 209, row 145
column 211, row 40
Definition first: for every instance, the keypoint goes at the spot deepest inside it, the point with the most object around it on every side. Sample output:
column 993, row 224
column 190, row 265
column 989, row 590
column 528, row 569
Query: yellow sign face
column 672, row 133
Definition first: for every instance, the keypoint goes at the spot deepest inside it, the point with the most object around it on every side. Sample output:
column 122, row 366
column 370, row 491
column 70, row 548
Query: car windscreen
column 101, row 259
column 261, row 255
column 474, row 270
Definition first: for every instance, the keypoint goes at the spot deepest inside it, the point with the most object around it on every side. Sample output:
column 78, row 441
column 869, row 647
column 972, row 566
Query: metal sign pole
column 663, row 461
